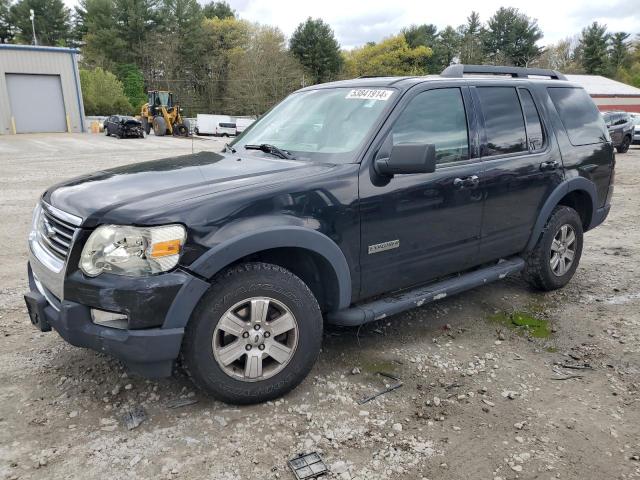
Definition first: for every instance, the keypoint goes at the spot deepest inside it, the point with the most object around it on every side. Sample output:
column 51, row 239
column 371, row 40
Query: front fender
column 237, row 247
column 570, row 185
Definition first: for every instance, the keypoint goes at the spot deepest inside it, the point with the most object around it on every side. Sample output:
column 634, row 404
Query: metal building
column 609, row 94
column 40, row 90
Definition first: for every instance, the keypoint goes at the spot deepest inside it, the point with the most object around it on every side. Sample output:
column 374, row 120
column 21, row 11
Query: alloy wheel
column 563, row 250
column 255, row 339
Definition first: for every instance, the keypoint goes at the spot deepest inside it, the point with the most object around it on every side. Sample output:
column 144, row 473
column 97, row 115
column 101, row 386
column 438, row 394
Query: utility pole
column 33, row 25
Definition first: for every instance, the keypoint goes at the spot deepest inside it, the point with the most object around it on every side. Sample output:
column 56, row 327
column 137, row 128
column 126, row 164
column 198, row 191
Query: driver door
column 418, row 227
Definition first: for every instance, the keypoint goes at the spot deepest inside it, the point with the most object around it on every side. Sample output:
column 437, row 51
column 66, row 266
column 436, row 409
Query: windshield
column 164, row 98
column 323, row 124
column 636, row 120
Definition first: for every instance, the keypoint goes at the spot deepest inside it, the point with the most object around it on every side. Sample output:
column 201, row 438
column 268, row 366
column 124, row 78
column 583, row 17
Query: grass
column 524, row 323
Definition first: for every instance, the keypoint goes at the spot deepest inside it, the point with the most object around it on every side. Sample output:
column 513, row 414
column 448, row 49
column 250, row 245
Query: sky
column 356, row 22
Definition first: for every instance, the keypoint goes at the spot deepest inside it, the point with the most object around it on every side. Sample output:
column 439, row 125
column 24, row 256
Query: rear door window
column 503, row 120
column 535, row 132
column 579, row 115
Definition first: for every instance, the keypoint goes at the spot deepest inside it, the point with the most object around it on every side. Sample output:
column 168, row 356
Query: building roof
column 38, row 48
column 598, row 85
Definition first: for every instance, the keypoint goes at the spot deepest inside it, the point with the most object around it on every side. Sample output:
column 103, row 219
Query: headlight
column 132, row 251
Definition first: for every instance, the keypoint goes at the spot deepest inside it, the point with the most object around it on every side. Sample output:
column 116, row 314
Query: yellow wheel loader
column 161, row 114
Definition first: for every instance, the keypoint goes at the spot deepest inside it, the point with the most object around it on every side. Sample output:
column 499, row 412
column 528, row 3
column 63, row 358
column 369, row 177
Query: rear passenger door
column 522, row 166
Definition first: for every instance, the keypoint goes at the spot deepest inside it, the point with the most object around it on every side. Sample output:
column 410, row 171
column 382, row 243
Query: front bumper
column 149, row 352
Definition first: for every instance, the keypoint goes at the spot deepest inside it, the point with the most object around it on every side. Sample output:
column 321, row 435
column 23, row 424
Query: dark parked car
column 123, row 126
column 348, row 202
column 620, row 128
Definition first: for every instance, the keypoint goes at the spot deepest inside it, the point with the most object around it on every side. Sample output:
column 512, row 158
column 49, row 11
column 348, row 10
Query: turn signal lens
column 164, row 249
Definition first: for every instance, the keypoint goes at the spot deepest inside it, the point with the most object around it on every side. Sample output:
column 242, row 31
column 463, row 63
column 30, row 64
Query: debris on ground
column 388, row 389
column 134, row 417
column 181, row 402
column 306, row 466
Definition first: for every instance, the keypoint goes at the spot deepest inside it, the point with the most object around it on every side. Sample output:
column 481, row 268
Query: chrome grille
column 55, row 231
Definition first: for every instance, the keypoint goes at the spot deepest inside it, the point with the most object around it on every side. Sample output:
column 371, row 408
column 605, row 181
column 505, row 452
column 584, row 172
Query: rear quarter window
column 579, row 115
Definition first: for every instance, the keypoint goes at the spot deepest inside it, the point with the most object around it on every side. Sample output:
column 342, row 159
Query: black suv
column 349, row 201
column 620, row 126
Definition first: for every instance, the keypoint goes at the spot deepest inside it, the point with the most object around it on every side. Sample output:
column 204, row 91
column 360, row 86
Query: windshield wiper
column 272, row 149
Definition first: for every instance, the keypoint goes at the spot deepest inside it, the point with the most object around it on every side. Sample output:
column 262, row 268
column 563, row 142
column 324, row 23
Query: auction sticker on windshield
column 370, row 94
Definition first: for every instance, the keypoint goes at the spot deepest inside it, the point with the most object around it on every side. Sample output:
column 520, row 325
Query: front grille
column 54, row 233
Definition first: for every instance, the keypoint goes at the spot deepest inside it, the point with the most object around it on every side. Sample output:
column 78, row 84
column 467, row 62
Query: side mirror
column 408, row 158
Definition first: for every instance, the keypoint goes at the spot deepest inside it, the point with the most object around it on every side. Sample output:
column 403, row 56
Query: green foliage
column 133, row 84
column 102, row 93
column 315, row 46
column 471, row 47
column 619, row 54
column 417, row 35
column 392, row 56
column 510, row 38
column 262, row 73
column 220, row 10
column 5, row 24
column 593, row 49
column 52, row 22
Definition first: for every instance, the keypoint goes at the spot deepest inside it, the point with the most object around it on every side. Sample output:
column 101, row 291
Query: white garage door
column 37, row 104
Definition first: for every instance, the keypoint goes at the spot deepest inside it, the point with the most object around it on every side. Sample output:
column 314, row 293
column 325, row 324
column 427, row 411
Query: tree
column 561, row 56
column 620, row 55
column 447, row 47
column 102, row 93
column 392, row 56
column 52, row 21
column 593, row 49
column 510, row 38
column 315, row 46
column 5, row 25
column 417, row 35
column 132, row 84
column 471, row 40
column 224, row 39
column 97, row 30
column 220, row 10
column 263, row 73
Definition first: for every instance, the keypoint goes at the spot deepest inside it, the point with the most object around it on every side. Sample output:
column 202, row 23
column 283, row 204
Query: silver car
column 635, row 118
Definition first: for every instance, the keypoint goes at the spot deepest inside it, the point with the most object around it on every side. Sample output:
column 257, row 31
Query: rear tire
column 106, row 131
column 261, row 366
column 624, row 147
column 159, row 127
column 556, row 256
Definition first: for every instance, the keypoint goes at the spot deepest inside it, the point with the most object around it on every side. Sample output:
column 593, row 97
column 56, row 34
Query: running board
column 384, row 307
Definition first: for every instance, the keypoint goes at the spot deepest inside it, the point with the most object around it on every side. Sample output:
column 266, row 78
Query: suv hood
column 168, row 181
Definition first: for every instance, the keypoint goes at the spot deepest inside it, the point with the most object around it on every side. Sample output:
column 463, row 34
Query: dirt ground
column 481, row 397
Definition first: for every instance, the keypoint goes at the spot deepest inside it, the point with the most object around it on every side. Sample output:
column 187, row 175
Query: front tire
column 159, row 126
column 254, row 336
column 556, row 256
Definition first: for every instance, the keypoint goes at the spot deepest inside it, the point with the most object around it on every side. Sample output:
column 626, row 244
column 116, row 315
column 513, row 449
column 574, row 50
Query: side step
column 384, row 307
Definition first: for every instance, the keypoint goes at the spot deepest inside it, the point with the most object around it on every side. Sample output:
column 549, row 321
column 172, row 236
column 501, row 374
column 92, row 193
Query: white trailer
column 220, row 125
column 242, row 124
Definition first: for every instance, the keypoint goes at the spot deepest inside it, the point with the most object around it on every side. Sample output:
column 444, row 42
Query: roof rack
column 459, row 70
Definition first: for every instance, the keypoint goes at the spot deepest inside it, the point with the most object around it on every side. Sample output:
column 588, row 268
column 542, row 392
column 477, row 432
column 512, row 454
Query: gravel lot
column 481, row 397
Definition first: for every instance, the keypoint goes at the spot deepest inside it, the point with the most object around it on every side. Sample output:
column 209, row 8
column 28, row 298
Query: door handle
column 550, row 165
column 466, row 183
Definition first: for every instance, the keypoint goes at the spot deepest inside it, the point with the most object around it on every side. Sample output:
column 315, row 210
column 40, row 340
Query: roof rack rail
column 459, row 70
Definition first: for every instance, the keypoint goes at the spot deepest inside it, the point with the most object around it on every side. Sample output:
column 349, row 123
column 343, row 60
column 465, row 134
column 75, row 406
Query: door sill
column 399, row 302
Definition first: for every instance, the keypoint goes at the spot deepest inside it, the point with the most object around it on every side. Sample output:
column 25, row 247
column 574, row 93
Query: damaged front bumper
column 149, row 352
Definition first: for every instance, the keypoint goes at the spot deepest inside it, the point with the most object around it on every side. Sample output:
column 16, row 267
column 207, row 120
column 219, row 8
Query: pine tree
column 316, row 48
column 220, row 10
column 620, row 55
column 5, row 26
column 510, row 38
column 593, row 49
column 471, row 43
column 52, row 22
